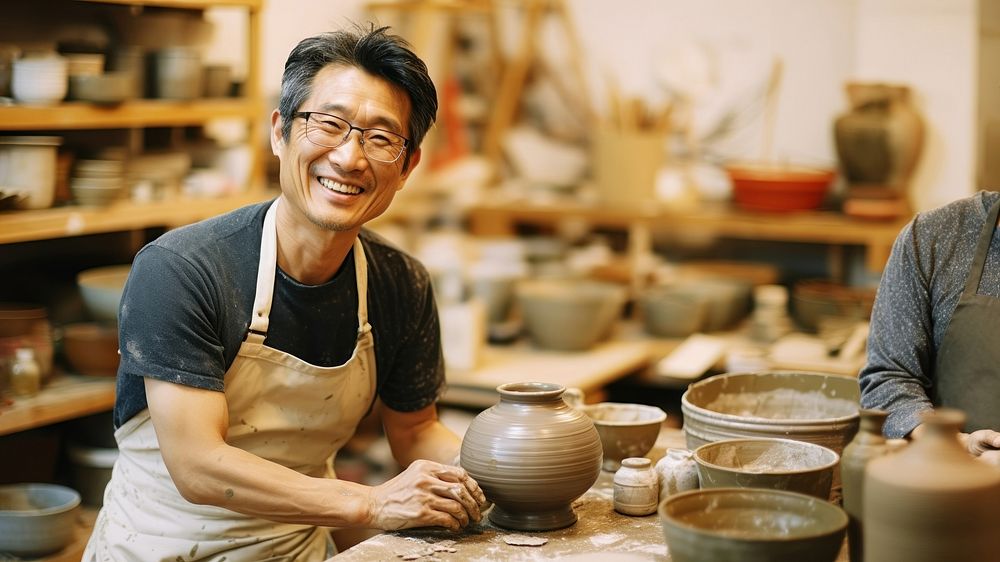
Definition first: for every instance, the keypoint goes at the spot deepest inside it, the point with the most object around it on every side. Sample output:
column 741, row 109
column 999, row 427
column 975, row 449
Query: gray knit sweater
column 920, row 287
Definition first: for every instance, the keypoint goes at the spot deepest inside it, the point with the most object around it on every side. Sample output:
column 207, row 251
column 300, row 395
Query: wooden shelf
column 186, row 4
column 64, row 397
column 501, row 219
column 138, row 113
column 24, row 226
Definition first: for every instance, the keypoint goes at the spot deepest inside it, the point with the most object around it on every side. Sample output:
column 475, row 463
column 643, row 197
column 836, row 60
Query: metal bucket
column 813, row 407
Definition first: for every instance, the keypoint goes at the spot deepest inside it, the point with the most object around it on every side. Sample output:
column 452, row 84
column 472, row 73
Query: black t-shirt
column 187, row 304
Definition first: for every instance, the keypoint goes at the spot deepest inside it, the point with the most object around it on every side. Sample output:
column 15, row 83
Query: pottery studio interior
column 596, row 281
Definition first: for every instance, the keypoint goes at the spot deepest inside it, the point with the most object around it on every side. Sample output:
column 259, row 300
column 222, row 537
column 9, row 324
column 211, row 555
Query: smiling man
column 253, row 343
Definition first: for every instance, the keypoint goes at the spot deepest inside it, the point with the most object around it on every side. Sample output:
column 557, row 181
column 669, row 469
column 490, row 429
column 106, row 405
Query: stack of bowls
column 83, row 64
column 178, row 73
column 40, row 78
column 97, row 182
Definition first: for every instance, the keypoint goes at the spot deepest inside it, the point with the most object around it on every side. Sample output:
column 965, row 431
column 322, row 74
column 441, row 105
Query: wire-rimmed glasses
column 330, row 131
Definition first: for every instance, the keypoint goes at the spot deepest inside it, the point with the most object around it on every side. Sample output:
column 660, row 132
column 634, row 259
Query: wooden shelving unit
column 137, row 113
column 69, row 396
column 502, row 218
column 23, row 226
column 64, row 397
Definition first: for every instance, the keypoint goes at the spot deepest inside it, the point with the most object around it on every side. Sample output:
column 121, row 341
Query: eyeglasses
column 330, row 131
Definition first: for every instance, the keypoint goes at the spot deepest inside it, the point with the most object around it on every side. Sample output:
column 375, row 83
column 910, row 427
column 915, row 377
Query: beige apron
column 281, row 409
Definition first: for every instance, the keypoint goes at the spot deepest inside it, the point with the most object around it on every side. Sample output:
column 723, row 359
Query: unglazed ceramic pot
column 677, row 472
column 636, row 487
column 532, row 454
column 867, row 444
column 931, row 501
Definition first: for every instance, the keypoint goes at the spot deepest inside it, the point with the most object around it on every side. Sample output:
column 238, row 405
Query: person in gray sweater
column 934, row 326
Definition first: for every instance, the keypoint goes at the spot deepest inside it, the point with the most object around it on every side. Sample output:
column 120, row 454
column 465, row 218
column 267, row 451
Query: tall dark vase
column 879, row 141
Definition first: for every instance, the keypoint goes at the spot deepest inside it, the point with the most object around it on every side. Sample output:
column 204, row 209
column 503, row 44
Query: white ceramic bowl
column 41, row 80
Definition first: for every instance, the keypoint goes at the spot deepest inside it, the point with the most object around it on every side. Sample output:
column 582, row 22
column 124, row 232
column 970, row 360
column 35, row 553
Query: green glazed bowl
column 751, row 525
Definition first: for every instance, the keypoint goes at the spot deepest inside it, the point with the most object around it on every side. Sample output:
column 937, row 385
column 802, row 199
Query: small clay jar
column 931, row 501
column 532, row 454
column 866, row 445
column 636, row 487
column 677, row 472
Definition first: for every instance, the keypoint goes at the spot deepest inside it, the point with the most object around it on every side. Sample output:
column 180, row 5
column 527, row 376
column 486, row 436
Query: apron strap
column 265, row 274
column 982, row 249
column 361, row 274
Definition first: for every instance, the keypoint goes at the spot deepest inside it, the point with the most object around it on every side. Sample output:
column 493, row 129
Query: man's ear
column 277, row 140
column 414, row 160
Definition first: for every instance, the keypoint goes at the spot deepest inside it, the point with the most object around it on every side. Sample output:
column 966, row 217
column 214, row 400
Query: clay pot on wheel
column 532, row 454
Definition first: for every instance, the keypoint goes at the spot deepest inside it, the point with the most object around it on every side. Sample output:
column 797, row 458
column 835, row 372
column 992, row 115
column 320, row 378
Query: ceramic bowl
column 19, row 319
column 778, row 464
column 673, row 312
column 36, row 519
column 779, row 188
column 815, row 407
column 39, row 79
column 815, row 299
column 626, row 430
column 751, row 525
column 101, row 289
column 569, row 314
column 91, row 348
column 107, row 88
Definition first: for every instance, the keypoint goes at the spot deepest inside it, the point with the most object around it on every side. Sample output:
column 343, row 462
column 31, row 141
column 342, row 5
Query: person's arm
column 419, row 437
column 191, row 428
column 896, row 377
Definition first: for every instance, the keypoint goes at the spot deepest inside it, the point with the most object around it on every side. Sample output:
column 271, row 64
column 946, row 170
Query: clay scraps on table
column 524, row 540
column 424, row 548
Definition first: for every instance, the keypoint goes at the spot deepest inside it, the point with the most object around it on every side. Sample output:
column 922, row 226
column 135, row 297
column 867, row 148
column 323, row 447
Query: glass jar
column 25, row 374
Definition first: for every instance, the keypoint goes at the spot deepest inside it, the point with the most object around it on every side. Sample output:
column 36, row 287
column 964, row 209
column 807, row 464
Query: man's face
column 341, row 188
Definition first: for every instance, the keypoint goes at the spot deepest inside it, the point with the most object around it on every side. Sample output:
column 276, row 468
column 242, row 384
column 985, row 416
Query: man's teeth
column 339, row 187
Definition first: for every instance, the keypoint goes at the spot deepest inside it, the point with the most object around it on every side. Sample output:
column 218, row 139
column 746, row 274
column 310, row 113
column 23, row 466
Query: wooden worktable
column 589, row 370
column 599, row 529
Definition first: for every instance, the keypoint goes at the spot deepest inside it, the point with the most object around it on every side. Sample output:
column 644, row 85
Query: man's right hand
column 427, row 494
